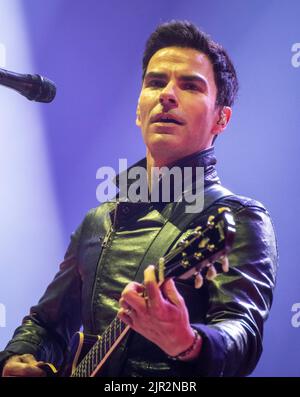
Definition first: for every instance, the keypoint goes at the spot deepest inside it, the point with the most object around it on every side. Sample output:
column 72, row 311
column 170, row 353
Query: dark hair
column 185, row 34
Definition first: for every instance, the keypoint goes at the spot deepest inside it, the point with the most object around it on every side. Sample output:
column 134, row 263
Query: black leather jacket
column 228, row 312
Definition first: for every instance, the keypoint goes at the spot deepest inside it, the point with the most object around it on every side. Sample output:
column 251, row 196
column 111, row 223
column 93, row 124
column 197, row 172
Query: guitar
column 195, row 254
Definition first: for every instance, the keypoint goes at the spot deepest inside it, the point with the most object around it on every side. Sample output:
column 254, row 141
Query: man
column 189, row 86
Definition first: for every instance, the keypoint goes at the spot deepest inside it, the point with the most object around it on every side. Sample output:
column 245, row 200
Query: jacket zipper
column 105, row 244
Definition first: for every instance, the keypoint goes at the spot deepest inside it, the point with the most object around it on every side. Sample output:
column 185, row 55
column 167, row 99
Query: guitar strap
column 167, row 236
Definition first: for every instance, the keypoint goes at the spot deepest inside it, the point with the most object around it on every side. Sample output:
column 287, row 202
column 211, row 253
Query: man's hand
column 23, row 365
column 160, row 315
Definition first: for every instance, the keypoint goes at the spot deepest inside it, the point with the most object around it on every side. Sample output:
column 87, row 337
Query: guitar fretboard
column 95, row 357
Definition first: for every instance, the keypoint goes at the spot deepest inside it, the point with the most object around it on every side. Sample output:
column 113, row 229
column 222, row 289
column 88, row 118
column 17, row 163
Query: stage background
column 49, row 154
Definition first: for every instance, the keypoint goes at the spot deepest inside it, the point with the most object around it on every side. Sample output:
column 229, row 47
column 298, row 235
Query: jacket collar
column 203, row 158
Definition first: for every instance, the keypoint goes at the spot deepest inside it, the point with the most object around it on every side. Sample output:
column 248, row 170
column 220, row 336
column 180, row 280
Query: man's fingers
column 22, row 365
column 123, row 304
column 18, row 369
column 127, row 309
column 132, row 297
column 170, row 292
column 124, row 315
column 21, row 358
column 154, row 296
column 133, row 287
column 27, row 359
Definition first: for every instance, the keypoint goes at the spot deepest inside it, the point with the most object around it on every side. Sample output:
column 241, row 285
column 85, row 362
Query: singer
column 173, row 329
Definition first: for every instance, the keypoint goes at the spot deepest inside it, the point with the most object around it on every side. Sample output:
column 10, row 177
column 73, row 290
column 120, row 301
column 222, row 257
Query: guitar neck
column 102, row 349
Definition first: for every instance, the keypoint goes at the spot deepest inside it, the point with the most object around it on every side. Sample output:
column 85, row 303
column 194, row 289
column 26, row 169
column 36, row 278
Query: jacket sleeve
column 46, row 331
column 240, row 300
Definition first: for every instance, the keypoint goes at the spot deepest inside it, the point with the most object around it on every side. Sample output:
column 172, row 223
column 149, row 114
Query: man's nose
column 168, row 98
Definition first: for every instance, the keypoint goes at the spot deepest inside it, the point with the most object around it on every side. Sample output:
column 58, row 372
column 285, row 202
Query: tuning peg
column 181, row 243
column 185, row 263
column 198, row 280
column 225, row 263
column 203, row 243
column 198, row 255
column 211, row 221
column 197, row 232
column 211, row 247
column 223, row 209
column 211, row 272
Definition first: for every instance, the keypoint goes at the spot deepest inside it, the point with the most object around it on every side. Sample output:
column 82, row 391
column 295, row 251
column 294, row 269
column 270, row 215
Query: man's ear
column 138, row 116
column 223, row 117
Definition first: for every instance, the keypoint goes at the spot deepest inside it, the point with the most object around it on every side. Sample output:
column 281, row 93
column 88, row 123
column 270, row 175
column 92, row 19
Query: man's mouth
column 168, row 121
column 167, row 118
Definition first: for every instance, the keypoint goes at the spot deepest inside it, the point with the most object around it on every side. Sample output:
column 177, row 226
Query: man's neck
column 155, row 163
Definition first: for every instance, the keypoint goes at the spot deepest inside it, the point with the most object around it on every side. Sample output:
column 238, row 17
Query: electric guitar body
column 79, row 347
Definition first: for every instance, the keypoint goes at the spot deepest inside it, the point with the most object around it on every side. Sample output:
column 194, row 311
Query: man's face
column 176, row 109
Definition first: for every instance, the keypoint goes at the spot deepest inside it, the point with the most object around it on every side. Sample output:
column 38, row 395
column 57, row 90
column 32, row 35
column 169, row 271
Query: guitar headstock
column 203, row 246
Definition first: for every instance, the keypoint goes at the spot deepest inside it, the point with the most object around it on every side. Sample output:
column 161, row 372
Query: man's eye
column 156, row 83
column 191, row 86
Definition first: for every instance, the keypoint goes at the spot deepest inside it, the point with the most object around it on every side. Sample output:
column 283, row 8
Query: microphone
column 33, row 86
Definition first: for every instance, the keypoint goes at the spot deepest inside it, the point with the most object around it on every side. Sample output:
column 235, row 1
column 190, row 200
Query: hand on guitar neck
column 160, row 315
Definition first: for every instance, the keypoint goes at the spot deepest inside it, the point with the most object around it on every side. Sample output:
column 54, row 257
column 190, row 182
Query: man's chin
column 163, row 142
column 164, row 146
